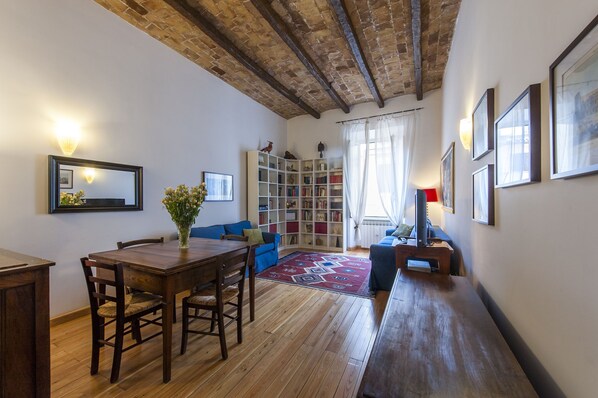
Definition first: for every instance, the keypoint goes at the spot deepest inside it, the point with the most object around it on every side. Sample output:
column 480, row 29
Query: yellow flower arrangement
column 70, row 199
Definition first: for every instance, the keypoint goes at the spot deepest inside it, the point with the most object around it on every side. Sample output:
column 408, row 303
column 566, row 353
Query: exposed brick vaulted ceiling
column 383, row 29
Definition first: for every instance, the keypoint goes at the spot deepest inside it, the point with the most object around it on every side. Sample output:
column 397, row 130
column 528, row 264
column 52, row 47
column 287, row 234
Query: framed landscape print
column 517, row 141
column 447, row 183
column 573, row 86
column 483, row 125
column 219, row 186
column 66, row 179
column 483, row 195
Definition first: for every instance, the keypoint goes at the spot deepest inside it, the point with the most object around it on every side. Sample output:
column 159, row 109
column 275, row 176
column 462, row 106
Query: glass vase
column 184, row 231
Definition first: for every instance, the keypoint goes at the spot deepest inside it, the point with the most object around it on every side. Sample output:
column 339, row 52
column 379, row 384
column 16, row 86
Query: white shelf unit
column 302, row 200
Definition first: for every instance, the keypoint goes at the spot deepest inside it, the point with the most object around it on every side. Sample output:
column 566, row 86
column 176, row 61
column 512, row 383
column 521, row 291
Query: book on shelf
column 419, row 266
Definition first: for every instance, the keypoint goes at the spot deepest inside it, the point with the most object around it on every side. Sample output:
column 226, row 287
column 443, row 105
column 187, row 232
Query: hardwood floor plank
column 304, row 342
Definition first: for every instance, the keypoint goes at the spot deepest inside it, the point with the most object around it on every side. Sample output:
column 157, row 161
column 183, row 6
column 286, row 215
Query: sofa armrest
column 270, row 237
column 390, row 231
column 384, row 268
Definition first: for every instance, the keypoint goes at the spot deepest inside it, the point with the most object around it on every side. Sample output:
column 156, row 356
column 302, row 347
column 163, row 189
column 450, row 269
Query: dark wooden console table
column 437, row 339
column 24, row 325
column 439, row 251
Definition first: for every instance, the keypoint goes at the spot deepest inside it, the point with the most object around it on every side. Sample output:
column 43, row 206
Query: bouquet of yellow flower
column 183, row 205
column 69, row 199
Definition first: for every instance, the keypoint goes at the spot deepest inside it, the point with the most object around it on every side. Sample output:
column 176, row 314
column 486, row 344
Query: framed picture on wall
column 66, row 179
column 483, row 195
column 573, row 87
column 483, row 125
column 219, row 186
column 447, row 182
column 517, row 141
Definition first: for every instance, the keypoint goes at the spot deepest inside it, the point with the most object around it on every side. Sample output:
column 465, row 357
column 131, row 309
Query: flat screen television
column 421, row 217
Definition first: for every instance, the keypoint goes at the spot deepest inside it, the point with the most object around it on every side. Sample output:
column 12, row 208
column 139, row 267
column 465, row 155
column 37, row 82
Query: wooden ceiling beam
column 416, row 29
column 280, row 27
column 338, row 6
column 197, row 17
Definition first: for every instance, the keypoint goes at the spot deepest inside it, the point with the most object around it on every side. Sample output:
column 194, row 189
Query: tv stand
column 439, row 251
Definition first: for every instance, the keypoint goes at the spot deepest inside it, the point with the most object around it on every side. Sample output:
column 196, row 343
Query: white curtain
column 394, row 138
column 356, row 141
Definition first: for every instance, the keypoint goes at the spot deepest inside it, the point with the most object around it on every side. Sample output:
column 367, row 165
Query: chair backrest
column 234, row 237
column 112, row 275
column 232, row 268
column 122, row 245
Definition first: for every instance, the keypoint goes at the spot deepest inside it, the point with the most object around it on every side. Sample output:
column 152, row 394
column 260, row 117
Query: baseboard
column 69, row 316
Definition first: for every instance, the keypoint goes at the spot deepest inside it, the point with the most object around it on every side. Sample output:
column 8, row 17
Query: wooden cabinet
column 24, row 326
column 302, row 200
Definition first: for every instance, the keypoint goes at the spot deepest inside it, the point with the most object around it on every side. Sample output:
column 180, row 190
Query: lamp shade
column 431, row 195
column 465, row 133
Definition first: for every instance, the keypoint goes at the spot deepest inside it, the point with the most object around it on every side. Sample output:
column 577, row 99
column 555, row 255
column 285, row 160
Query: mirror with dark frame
column 77, row 185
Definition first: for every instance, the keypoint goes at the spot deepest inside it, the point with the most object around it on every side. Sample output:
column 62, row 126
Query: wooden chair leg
column 136, row 330
column 213, row 322
column 118, row 350
column 95, row 347
column 221, row 332
column 185, row 331
column 240, row 320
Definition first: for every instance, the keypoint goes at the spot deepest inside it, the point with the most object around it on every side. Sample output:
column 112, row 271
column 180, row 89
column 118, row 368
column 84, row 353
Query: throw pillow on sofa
column 403, row 231
column 255, row 236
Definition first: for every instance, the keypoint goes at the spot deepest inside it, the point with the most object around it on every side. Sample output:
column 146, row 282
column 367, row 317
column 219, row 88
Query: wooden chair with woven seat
column 226, row 290
column 119, row 308
column 137, row 242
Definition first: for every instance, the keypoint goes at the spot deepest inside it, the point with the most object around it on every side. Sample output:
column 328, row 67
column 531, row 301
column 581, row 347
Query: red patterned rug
column 328, row 271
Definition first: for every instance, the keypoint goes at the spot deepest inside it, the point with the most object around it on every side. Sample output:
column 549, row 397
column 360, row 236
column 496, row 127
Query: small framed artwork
column 447, row 182
column 219, row 186
column 483, row 125
column 517, row 141
column 483, row 195
column 573, row 88
column 66, row 179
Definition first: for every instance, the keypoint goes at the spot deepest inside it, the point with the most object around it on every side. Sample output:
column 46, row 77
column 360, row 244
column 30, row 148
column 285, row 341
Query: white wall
column 305, row 132
column 138, row 102
column 537, row 267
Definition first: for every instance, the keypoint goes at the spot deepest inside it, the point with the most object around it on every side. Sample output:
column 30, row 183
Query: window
column 373, row 205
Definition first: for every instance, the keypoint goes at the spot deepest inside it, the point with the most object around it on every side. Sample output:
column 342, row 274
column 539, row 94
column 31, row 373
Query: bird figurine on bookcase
column 321, row 149
column 267, row 149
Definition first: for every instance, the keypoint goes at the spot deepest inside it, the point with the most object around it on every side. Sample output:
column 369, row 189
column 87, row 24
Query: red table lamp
column 431, row 195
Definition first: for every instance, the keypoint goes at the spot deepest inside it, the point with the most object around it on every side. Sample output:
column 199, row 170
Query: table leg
column 252, row 292
column 167, row 316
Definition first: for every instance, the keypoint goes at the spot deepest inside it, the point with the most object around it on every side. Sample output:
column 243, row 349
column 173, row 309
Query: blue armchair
column 266, row 255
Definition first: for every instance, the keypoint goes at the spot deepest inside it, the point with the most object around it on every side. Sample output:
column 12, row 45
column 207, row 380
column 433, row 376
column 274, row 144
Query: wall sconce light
column 465, row 133
column 89, row 175
column 68, row 136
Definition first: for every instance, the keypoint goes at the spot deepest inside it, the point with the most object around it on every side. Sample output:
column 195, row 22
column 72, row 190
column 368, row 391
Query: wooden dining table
column 164, row 269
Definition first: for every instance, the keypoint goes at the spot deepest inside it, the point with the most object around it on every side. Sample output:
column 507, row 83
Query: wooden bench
column 437, row 339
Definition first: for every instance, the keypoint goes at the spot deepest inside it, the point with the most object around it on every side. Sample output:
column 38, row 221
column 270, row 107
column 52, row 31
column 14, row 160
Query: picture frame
column 447, row 179
column 517, row 136
column 219, row 186
column 65, row 179
column 483, row 195
column 482, row 124
column 573, row 94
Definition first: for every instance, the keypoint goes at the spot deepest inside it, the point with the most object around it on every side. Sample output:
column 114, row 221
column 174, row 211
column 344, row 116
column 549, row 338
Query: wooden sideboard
column 24, row 326
column 437, row 339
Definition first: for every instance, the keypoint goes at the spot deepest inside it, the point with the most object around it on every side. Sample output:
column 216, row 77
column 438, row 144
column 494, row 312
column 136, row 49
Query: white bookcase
column 302, row 200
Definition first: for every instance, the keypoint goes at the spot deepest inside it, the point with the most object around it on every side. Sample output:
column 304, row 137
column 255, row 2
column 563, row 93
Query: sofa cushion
column 264, row 248
column 254, row 235
column 237, row 228
column 403, row 230
column 387, row 241
column 211, row 232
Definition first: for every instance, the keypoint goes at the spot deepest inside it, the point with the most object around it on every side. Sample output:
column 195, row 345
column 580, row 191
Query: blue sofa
column 266, row 255
column 382, row 255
